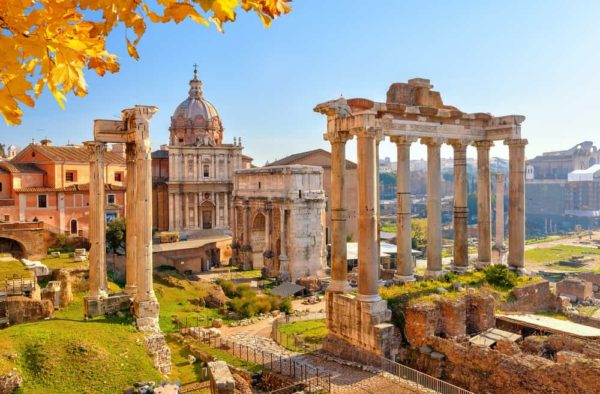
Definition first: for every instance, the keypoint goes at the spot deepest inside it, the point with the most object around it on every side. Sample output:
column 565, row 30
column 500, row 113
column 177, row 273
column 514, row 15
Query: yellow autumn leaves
column 49, row 43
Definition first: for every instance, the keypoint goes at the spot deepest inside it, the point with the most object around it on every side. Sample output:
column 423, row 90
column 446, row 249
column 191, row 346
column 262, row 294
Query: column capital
column 516, row 142
column 369, row 132
column 483, row 144
column 500, row 177
column 432, row 141
column 403, row 140
column 95, row 148
column 337, row 137
column 459, row 145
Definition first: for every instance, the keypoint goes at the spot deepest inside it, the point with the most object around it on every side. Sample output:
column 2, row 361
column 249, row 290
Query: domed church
column 193, row 175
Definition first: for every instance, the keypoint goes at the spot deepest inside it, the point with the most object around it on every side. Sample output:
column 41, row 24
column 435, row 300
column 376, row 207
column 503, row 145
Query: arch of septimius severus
column 412, row 112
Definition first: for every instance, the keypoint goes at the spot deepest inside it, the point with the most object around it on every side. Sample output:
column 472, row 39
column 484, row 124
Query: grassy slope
column 69, row 355
column 557, row 253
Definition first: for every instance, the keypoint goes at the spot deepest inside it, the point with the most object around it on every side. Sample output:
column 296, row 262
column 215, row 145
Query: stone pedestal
column 359, row 330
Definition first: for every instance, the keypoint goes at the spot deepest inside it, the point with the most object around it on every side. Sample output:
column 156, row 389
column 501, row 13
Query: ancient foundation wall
column 535, row 297
column 484, row 370
column 22, row 309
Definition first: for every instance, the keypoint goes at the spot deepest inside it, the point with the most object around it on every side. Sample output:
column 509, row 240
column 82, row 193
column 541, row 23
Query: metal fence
column 297, row 342
column 193, row 321
column 320, row 381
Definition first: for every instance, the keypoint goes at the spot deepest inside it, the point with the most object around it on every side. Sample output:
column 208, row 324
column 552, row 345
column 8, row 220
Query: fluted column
column 461, row 245
column 130, row 236
column 97, row 282
column 404, row 260
column 434, row 209
column 516, row 206
column 484, row 203
column 368, row 256
column 337, row 199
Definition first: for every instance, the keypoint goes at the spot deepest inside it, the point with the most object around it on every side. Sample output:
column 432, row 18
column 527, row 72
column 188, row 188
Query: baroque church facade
column 193, row 175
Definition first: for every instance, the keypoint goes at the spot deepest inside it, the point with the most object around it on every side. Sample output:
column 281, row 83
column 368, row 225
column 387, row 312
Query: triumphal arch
column 133, row 131
column 412, row 112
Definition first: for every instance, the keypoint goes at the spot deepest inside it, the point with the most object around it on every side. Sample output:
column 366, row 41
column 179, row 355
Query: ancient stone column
column 196, row 217
column 186, row 210
column 337, row 198
column 245, row 219
column 461, row 246
column 268, row 226
column 499, row 210
column 516, row 204
column 434, row 209
column 98, row 286
column 171, row 211
column 368, row 256
column 484, row 203
column 131, row 273
column 404, row 260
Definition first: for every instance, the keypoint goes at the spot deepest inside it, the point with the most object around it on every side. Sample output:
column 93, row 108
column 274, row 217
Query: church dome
column 196, row 105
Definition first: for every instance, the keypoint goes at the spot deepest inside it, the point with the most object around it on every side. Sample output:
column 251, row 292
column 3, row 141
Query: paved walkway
column 345, row 379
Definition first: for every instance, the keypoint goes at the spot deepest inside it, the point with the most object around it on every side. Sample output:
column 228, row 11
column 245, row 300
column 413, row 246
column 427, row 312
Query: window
column 7, row 218
column 42, row 201
column 111, row 198
column 70, row 176
column 206, row 170
column 0, row 186
column 259, row 185
column 118, row 177
column 74, row 227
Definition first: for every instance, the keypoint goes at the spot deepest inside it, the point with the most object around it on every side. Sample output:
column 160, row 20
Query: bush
column 286, row 306
column 500, row 276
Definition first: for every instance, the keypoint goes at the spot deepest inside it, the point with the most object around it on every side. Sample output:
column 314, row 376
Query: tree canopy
column 49, row 43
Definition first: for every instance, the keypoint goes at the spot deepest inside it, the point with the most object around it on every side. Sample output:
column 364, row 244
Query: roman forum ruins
column 133, row 130
column 412, row 111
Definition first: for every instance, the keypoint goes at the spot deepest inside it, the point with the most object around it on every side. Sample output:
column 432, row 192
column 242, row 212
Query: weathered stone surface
column 453, row 317
column 576, row 289
column 66, row 286
column 507, row 347
column 566, row 357
column 421, row 322
column 534, row 297
column 311, row 283
column 481, row 310
column 222, row 381
column 216, row 297
column 22, row 309
column 159, row 351
column 10, row 383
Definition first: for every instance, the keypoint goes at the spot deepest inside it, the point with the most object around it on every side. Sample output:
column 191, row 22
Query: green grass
column 309, row 328
column 557, row 253
column 228, row 357
column 69, row 355
column 588, row 310
column 550, row 238
column 64, row 261
column 182, row 370
column 181, row 302
column 10, row 268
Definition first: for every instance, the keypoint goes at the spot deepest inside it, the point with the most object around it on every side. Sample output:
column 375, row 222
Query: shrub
column 500, row 276
column 286, row 306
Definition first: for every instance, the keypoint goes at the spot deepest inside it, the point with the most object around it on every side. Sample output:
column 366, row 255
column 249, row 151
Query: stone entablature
column 296, row 243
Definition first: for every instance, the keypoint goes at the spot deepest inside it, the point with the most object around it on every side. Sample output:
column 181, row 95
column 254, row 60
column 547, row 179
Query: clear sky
column 538, row 58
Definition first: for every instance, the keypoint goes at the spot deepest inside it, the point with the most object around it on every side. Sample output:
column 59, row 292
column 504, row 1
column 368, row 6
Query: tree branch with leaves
column 50, row 43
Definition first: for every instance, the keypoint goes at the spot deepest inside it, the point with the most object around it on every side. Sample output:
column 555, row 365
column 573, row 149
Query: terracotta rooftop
column 292, row 159
column 25, row 168
column 71, row 154
column 74, row 188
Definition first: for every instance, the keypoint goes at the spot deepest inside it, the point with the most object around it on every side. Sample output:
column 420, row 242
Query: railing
column 194, row 321
column 296, row 342
column 421, row 379
column 320, row 380
column 17, row 286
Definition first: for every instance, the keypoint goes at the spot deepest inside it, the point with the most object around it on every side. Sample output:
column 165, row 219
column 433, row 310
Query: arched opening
column 73, row 227
column 13, row 247
column 257, row 240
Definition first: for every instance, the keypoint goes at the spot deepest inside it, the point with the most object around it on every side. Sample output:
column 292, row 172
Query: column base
column 130, row 290
column 339, row 286
column 404, row 278
column 146, row 314
column 521, row 271
column 433, row 274
column 482, row 264
column 460, row 269
column 368, row 297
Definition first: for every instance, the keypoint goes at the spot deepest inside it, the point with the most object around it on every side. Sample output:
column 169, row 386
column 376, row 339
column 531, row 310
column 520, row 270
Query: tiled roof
column 292, row 159
column 26, row 168
column 75, row 154
column 84, row 187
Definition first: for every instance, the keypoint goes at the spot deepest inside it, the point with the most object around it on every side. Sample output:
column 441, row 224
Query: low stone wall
column 535, row 297
column 9, row 383
column 159, row 351
column 22, row 309
column 586, row 320
column 575, row 289
column 484, row 370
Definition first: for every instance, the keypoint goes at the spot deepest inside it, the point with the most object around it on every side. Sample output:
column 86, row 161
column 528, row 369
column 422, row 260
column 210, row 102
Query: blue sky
column 535, row 58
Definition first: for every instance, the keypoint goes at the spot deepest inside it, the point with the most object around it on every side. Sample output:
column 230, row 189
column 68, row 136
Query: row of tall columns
column 181, row 203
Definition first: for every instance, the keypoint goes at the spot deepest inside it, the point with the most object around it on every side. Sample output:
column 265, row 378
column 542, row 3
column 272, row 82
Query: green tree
column 115, row 234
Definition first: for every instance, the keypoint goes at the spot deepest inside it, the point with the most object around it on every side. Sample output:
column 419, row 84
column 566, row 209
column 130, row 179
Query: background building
column 193, row 175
